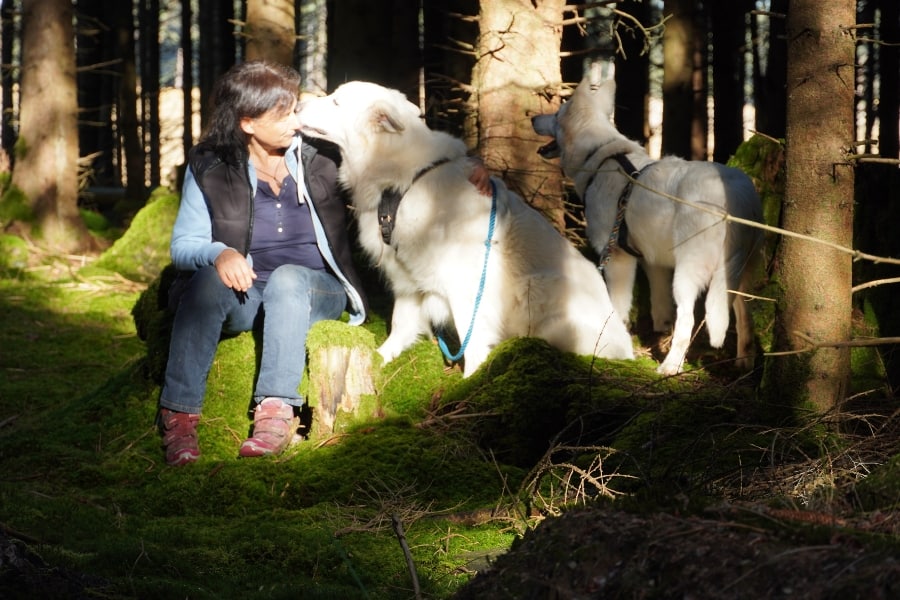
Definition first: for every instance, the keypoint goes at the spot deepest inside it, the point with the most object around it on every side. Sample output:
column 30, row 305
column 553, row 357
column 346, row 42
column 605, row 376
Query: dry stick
column 398, row 530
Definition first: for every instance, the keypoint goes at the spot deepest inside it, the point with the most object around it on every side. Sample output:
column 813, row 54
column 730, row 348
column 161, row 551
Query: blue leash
column 487, row 253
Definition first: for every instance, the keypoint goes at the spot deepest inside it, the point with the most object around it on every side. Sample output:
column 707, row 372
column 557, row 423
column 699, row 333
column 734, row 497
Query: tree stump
column 339, row 376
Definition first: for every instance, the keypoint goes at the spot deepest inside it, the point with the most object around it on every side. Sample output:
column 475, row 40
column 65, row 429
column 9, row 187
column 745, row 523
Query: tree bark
column 889, row 67
column 450, row 34
column 633, row 74
column 728, row 29
column 815, row 306
column 517, row 75
column 375, row 41
column 269, row 31
column 47, row 148
column 218, row 44
column 127, row 121
column 678, row 73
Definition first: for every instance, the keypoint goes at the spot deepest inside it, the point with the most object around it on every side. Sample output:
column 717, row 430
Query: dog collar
column 390, row 202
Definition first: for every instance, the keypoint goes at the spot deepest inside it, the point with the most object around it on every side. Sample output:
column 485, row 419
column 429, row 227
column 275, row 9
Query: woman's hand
column 480, row 177
column 234, row 270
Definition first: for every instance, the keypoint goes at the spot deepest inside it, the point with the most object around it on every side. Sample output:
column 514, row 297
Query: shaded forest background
column 118, row 91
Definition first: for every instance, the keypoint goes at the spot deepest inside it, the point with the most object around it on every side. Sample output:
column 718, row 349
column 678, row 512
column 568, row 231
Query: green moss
column 14, row 254
column 14, row 206
column 880, row 491
column 143, row 251
column 532, row 395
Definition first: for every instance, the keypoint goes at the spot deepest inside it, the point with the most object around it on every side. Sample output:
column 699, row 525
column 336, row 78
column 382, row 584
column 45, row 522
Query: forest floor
column 87, row 511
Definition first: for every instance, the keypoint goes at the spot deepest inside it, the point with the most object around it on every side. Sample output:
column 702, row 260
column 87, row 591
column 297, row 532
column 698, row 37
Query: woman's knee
column 288, row 282
column 205, row 288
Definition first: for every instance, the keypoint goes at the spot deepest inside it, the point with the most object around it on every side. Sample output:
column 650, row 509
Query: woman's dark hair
column 247, row 90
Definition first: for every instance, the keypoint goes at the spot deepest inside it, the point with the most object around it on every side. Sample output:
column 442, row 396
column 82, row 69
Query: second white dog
column 448, row 257
column 672, row 220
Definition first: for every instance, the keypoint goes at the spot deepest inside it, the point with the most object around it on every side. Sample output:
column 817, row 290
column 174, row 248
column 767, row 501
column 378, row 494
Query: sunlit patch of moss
column 143, row 251
column 415, row 381
column 14, row 255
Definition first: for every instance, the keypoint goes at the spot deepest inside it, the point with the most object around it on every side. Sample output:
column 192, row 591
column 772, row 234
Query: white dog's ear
column 385, row 117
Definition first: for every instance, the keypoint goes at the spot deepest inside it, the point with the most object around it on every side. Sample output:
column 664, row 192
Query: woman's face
column 274, row 129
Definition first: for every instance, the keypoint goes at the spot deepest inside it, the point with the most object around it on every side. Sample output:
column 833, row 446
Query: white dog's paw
column 669, row 368
column 387, row 355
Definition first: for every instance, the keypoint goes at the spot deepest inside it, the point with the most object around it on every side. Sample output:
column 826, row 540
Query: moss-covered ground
column 635, row 478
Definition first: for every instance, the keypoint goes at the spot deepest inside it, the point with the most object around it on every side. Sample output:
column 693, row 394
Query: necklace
column 270, row 175
column 273, row 180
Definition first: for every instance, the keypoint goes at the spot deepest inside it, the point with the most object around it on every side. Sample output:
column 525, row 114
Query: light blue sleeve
column 192, row 246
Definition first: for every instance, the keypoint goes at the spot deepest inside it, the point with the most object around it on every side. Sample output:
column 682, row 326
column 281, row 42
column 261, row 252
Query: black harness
column 390, row 202
column 619, row 235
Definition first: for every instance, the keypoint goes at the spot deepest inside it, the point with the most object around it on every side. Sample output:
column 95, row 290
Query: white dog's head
column 354, row 112
column 586, row 114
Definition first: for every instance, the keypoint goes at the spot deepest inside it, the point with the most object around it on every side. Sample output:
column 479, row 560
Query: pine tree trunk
column 678, row 73
column 269, row 31
column 516, row 76
column 815, row 307
column 47, row 148
column 632, row 74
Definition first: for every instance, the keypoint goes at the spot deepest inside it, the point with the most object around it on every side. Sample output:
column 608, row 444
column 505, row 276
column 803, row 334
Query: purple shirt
column 282, row 231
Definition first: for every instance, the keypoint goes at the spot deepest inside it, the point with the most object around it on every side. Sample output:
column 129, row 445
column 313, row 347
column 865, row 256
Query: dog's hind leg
column 686, row 286
column 717, row 301
column 662, row 307
column 620, row 273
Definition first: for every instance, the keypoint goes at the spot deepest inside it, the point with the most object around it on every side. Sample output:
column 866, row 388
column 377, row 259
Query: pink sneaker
column 274, row 425
column 179, row 437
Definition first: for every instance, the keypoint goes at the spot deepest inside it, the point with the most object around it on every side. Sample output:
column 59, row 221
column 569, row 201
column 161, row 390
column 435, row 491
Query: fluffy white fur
column 685, row 250
column 537, row 283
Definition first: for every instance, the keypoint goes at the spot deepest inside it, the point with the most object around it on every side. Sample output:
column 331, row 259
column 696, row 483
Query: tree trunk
column 517, row 75
column 770, row 86
column 127, row 121
column 375, row 41
column 187, row 80
column 728, row 29
column 632, row 73
column 149, row 41
column 269, row 31
column 47, row 148
column 218, row 44
column 700, row 85
column 678, row 74
column 94, row 92
column 815, row 306
column 889, row 66
column 7, row 34
column 450, row 34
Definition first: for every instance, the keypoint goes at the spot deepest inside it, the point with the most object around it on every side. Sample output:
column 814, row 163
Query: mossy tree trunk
column 815, row 306
column 47, row 147
column 517, row 75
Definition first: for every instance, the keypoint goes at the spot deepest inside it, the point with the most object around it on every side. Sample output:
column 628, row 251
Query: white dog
column 446, row 255
column 669, row 214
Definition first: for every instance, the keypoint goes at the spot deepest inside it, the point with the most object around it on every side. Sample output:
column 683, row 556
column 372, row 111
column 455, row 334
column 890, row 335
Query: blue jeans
column 284, row 308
